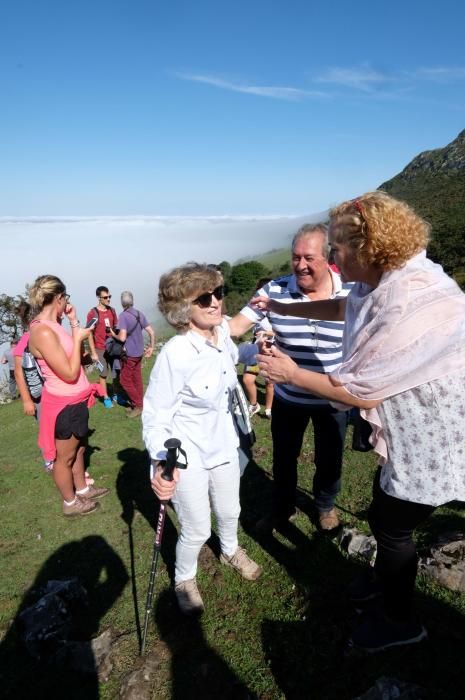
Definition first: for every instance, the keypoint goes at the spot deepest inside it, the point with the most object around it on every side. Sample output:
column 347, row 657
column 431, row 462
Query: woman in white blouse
column 189, row 397
column 404, row 367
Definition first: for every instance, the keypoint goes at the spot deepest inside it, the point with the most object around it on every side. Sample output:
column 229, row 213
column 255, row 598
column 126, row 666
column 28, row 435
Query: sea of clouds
column 129, row 252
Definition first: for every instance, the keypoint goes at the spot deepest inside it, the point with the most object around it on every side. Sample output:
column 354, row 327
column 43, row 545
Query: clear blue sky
column 208, row 107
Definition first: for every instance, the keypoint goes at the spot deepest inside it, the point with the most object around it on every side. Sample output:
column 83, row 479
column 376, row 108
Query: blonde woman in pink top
column 66, row 395
column 403, row 365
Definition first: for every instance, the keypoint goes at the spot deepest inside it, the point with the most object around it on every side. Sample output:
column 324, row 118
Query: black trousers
column 288, row 425
column 392, row 523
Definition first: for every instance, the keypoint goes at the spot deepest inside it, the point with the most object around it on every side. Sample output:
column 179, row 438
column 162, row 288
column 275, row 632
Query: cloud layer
column 362, row 79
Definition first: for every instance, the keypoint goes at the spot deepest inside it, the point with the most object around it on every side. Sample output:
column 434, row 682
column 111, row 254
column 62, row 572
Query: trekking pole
column 173, row 447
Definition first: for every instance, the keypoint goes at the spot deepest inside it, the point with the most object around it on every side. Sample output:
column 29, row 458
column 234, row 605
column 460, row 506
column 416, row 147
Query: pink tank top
column 55, row 385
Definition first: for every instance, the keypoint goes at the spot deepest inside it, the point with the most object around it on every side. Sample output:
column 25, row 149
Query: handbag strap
column 138, row 323
column 243, row 406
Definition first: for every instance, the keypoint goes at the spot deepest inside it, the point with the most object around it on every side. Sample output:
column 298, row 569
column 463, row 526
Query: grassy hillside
column 283, row 636
column 275, row 259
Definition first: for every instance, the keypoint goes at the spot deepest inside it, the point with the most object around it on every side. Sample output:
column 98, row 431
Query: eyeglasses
column 67, row 297
column 107, row 297
column 205, row 299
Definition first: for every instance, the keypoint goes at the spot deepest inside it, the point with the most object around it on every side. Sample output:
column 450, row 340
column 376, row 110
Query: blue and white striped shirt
column 313, row 345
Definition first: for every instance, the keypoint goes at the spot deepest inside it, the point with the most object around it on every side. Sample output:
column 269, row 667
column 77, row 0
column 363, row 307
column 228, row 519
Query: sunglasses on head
column 205, row 299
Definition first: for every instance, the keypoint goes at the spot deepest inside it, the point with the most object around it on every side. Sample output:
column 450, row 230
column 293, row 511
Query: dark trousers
column 131, row 380
column 392, row 522
column 288, row 425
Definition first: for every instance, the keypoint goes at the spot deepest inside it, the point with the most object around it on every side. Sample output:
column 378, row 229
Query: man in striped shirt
column 315, row 345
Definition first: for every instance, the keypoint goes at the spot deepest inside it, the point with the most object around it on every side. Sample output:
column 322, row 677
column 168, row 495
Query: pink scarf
column 408, row 331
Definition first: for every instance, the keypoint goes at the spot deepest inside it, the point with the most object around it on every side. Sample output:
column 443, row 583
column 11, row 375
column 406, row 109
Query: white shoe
column 189, row 599
column 254, row 409
column 240, row 561
column 268, row 412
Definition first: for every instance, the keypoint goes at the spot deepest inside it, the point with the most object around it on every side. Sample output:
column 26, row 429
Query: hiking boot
column 107, row 402
column 328, row 520
column 378, row 632
column 81, row 506
column 266, row 525
column 134, row 412
column 189, row 599
column 240, row 561
column 364, row 588
column 94, row 493
column 254, row 409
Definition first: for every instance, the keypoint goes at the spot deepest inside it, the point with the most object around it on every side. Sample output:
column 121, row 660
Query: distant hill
column 434, row 184
column 274, row 260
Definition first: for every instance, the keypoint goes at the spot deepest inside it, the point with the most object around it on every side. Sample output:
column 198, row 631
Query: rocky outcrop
column 438, row 161
column 446, row 562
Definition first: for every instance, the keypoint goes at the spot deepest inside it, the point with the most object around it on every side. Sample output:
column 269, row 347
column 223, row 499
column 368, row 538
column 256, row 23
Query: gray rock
column 355, row 542
column 392, row 689
column 101, row 649
column 86, row 657
column 446, row 561
column 138, row 684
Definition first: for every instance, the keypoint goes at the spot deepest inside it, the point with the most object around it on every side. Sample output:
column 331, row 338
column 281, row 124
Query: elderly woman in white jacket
column 190, row 397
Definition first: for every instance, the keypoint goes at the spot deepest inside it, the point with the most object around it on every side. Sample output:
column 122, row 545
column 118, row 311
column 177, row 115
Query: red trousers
column 131, row 380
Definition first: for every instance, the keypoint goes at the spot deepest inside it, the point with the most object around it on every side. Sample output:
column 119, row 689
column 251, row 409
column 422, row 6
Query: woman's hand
column 70, row 313
column 164, row 490
column 81, row 333
column 277, row 367
column 266, row 304
column 264, row 341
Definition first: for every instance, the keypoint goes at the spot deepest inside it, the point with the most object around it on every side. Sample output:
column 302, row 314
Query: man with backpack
column 131, row 323
column 104, row 328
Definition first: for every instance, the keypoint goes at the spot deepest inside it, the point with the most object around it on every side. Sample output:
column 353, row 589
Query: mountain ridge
column 433, row 183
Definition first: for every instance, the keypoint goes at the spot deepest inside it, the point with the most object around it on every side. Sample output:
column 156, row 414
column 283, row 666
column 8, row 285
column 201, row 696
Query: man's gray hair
column 127, row 299
column 309, row 230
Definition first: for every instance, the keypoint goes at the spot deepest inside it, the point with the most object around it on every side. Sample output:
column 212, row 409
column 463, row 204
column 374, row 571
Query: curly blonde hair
column 43, row 291
column 383, row 231
column 178, row 287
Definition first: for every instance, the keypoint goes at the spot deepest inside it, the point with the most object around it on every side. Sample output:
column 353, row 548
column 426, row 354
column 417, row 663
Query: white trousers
column 196, row 490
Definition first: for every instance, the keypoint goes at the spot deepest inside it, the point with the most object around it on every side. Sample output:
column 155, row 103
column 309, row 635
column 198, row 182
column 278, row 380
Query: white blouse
column 425, row 434
column 189, row 398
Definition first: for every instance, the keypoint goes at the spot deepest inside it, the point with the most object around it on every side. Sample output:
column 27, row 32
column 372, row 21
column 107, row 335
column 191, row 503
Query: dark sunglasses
column 205, row 299
column 107, row 297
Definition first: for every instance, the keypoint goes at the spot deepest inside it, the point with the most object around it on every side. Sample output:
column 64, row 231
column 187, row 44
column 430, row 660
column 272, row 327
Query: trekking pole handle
column 173, row 448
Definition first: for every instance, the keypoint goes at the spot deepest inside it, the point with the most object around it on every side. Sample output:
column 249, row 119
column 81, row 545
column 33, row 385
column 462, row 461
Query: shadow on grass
column 102, row 573
column 135, row 495
column 310, row 658
column 197, row 671
column 90, row 449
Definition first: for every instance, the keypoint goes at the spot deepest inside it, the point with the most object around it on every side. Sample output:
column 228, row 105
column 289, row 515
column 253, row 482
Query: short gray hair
column 307, row 230
column 127, row 299
column 182, row 284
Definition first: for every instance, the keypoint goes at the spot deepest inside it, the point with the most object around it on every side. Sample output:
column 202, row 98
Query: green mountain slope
column 434, row 184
